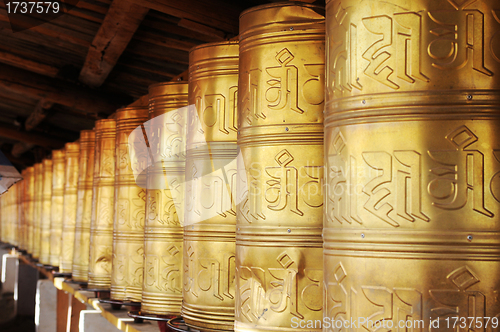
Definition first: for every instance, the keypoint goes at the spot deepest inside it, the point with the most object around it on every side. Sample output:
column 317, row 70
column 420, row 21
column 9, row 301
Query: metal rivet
column 291, row 28
column 363, row 102
column 289, row 230
column 469, row 97
column 362, row 235
column 469, row 237
column 197, row 67
column 238, row 228
column 286, row 128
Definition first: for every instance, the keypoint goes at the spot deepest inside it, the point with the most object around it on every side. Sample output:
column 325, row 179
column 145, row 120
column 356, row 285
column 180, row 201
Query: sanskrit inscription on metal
column 279, row 269
column 56, row 207
column 101, row 224
column 412, row 164
column 130, row 211
column 163, row 234
column 210, row 211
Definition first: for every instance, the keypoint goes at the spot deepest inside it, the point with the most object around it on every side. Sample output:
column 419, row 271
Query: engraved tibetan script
column 459, row 37
column 396, row 49
column 460, row 170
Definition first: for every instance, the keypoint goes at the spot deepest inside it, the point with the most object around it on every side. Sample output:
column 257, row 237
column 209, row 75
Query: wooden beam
column 31, row 138
column 30, row 84
column 118, row 28
column 38, row 114
column 20, row 148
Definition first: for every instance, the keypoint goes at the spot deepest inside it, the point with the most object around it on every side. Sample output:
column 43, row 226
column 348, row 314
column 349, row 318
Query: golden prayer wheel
column 71, row 166
column 28, row 207
column 22, row 221
column 84, row 206
column 56, row 206
column 210, row 213
column 130, row 210
column 162, row 284
column 411, row 228
column 101, row 226
column 37, row 207
column 279, row 218
column 46, row 212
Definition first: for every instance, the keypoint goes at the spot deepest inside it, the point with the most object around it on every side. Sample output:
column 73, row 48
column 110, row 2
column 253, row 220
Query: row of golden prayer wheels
column 286, row 197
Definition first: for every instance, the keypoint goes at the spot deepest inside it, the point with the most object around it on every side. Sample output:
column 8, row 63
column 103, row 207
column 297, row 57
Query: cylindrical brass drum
column 210, row 213
column 11, row 214
column 101, row 226
column 37, row 207
column 29, row 195
column 20, row 211
column 130, row 211
column 411, row 228
column 56, row 208
column 46, row 212
column 162, row 286
column 84, row 206
column 280, row 116
column 69, row 207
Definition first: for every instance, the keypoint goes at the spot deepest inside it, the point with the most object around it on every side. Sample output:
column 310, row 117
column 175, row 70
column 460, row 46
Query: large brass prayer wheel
column 130, row 210
column 84, row 206
column 46, row 212
column 279, row 218
column 56, row 208
column 37, row 208
column 412, row 223
column 69, row 207
column 22, row 220
column 166, row 130
column 29, row 196
column 101, row 227
column 210, row 213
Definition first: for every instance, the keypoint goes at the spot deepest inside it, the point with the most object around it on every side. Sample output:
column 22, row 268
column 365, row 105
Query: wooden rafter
column 118, row 28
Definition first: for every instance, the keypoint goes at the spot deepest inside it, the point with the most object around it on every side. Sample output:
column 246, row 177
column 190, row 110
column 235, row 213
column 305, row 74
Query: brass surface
column 130, row 210
column 280, row 115
column 29, row 196
column 56, row 208
column 37, row 207
column 9, row 213
column 210, row 214
column 411, row 227
column 69, row 206
column 101, row 226
column 22, row 221
column 162, row 284
column 84, row 206
column 46, row 212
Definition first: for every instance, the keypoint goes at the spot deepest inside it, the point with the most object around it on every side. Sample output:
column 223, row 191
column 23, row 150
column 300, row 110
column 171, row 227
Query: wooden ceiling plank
column 27, row 83
column 195, row 11
column 37, row 67
column 162, row 27
column 158, row 39
column 191, row 25
column 116, row 31
column 30, row 138
column 49, row 30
